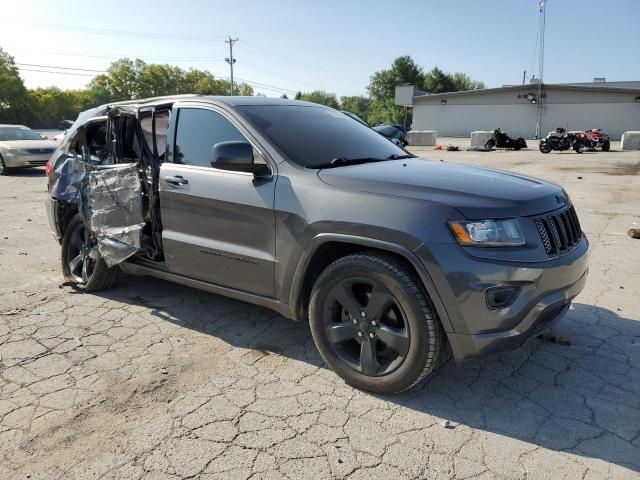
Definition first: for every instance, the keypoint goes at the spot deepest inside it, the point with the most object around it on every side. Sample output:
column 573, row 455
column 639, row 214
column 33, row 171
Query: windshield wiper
column 341, row 162
column 400, row 157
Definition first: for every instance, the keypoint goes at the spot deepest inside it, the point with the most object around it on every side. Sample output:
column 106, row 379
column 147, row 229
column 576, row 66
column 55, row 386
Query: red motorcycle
column 598, row 139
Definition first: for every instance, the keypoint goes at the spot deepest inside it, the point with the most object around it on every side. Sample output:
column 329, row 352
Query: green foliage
column 404, row 70
column 356, row 104
column 128, row 79
column 436, row 81
column 13, row 94
column 319, row 96
column 382, row 84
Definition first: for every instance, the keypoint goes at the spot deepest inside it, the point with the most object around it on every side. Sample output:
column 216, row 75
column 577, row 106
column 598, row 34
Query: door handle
column 177, row 180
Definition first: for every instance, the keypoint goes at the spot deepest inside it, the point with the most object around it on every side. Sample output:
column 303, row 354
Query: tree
column 462, row 81
column 356, row 104
column 13, row 94
column 321, row 97
column 284, row 95
column 242, row 89
column 383, row 83
column 436, row 81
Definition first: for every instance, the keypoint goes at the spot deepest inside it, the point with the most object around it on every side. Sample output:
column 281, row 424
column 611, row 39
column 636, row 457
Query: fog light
column 501, row 297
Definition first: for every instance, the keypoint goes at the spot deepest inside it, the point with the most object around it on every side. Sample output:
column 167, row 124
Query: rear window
column 309, row 135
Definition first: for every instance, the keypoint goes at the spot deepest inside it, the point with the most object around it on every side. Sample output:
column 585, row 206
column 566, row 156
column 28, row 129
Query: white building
column 612, row 106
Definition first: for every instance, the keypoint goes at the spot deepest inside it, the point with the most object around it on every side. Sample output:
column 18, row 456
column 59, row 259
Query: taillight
column 49, row 167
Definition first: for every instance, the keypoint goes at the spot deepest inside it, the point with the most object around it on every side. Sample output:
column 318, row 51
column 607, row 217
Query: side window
column 197, row 131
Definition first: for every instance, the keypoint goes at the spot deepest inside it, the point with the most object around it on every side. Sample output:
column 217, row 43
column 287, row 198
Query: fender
column 322, row 238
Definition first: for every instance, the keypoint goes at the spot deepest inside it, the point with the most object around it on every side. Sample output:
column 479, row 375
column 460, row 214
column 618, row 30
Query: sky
column 285, row 45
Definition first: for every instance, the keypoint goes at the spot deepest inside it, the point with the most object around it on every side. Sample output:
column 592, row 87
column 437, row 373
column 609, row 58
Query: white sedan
column 21, row 147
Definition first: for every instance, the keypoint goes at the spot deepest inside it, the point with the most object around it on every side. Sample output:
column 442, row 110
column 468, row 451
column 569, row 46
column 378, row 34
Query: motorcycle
column 501, row 140
column 598, row 139
column 560, row 140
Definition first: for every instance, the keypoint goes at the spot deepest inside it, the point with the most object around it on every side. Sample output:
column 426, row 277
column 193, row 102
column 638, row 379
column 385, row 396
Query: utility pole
column 230, row 60
column 524, row 77
column 542, row 25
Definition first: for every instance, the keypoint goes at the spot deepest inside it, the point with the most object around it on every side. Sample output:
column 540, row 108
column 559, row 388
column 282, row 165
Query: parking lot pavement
column 156, row 381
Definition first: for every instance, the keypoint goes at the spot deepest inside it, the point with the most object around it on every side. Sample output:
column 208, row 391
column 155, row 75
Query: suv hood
column 476, row 192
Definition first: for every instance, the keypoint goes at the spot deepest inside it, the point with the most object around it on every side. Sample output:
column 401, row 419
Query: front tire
column 82, row 264
column 544, row 147
column 489, row 144
column 578, row 147
column 374, row 324
column 606, row 146
column 3, row 167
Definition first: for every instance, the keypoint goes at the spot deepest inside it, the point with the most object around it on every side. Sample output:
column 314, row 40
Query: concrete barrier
column 480, row 137
column 422, row 137
column 630, row 141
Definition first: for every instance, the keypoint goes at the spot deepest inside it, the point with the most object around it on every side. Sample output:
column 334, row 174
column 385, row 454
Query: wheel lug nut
column 364, row 314
column 371, row 335
column 359, row 334
column 374, row 323
column 354, row 320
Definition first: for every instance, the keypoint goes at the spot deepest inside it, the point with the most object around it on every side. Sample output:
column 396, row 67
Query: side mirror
column 233, row 156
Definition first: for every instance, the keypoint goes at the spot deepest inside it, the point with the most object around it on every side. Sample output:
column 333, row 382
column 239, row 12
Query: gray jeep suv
column 395, row 261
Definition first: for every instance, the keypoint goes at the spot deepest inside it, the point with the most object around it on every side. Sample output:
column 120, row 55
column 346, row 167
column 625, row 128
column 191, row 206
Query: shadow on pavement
column 27, row 172
column 579, row 395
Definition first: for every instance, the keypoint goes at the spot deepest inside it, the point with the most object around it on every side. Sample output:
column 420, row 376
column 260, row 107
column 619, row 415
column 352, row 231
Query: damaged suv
column 395, row 261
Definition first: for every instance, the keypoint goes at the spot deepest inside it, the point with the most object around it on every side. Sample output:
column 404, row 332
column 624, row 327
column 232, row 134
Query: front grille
column 560, row 232
column 39, row 151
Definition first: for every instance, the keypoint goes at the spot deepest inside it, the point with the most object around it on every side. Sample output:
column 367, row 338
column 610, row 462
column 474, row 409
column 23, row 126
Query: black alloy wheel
column 366, row 327
column 82, row 264
column 374, row 323
column 82, row 254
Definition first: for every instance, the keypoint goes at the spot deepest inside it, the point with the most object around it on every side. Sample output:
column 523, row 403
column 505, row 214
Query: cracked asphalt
column 156, row 381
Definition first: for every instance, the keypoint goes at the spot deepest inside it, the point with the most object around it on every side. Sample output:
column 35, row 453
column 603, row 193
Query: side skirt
column 271, row 303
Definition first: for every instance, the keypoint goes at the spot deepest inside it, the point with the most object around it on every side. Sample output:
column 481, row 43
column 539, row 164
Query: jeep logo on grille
column 562, row 200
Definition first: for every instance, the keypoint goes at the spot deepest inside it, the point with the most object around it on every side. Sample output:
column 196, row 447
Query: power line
column 60, row 68
column 273, row 88
column 77, row 74
column 249, row 65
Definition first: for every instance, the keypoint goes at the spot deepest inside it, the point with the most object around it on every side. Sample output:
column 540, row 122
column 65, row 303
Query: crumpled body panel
column 110, row 202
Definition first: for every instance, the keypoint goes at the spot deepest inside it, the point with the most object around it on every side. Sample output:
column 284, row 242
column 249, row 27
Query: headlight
column 488, row 233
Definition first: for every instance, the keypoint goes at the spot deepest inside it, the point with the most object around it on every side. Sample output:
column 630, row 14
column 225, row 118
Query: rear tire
column 578, row 147
column 489, row 144
column 606, row 146
column 374, row 324
column 82, row 264
column 3, row 167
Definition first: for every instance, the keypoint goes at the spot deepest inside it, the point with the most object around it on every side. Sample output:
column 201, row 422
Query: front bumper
column 21, row 161
column 545, row 291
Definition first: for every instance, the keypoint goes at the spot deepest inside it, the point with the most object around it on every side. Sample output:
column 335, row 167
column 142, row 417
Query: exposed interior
column 112, row 173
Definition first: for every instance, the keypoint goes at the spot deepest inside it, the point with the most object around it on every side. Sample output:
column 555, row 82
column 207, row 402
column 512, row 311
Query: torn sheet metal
column 110, row 202
column 114, row 210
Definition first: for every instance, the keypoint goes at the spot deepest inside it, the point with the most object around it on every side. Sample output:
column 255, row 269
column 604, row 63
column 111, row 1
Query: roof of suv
column 228, row 100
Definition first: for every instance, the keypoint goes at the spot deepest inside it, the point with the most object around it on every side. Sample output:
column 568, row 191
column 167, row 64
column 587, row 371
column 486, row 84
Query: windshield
column 311, row 136
column 16, row 133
